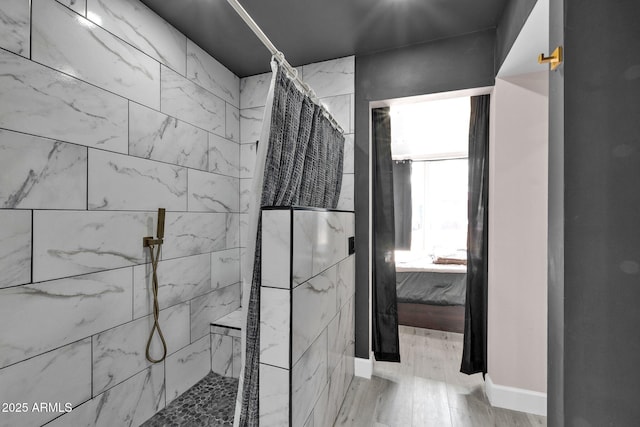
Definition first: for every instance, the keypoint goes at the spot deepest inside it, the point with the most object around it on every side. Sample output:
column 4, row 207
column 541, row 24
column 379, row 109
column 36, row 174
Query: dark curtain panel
column 474, row 354
column 402, row 203
column 386, row 346
column 303, row 168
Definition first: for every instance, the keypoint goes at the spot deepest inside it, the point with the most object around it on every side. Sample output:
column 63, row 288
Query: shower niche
column 307, row 315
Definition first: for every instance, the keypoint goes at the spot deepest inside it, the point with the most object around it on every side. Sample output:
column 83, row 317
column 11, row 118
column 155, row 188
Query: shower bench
column 225, row 344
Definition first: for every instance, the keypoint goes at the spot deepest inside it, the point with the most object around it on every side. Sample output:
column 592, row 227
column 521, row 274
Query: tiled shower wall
column 106, row 114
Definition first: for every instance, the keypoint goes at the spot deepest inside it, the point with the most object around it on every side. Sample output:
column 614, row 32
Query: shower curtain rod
column 279, row 56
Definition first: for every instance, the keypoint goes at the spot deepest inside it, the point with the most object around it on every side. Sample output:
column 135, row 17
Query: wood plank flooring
column 426, row 389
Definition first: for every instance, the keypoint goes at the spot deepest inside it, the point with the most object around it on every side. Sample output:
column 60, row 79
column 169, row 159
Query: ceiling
column 315, row 30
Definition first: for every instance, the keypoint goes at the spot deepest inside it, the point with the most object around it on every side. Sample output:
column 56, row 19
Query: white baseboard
column 516, row 399
column 363, row 367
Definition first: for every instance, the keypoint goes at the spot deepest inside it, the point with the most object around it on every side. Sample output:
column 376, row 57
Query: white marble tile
column 349, row 154
column 308, row 379
column 336, row 389
column 38, row 173
column 251, row 124
column 236, row 357
column 14, row 26
column 187, row 367
column 274, row 396
column 78, row 6
column 339, row 331
column 62, row 375
column 234, row 223
column 119, row 182
column 205, row 70
column 320, row 416
column 67, row 243
column 248, row 154
column 330, row 78
column 179, row 280
column 138, row 25
column 275, row 324
column 232, row 127
column 340, row 108
column 15, row 247
column 346, row 193
column 245, row 194
column 276, row 248
column 225, row 268
column 223, row 330
column 346, row 280
column 330, row 243
column 187, row 101
column 254, row 89
column 156, row 136
column 314, row 306
column 305, row 225
column 210, row 192
column 119, row 353
column 224, row 156
column 194, row 233
column 212, row 306
column 353, row 114
column 50, row 314
column 66, row 108
column 222, row 355
column 235, row 319
column 128, row 404
column 74, row 45
column 310, row 421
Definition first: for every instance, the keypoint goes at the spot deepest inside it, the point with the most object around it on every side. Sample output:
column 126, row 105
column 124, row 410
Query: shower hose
column 155, row 255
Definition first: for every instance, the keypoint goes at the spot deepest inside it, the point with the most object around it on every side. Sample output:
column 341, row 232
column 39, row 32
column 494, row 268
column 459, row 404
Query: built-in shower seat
column 225, row 344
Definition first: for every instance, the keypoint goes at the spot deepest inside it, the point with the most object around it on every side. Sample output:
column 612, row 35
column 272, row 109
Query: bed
column 431, row 291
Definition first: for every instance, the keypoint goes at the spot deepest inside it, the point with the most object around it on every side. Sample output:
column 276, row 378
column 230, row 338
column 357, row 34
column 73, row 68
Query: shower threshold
column 211, row 402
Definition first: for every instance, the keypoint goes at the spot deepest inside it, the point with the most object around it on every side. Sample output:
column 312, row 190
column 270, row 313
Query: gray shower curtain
column 474, row 353
column 303, row 167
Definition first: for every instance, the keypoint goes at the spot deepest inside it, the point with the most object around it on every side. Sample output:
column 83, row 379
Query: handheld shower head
column 161, row 223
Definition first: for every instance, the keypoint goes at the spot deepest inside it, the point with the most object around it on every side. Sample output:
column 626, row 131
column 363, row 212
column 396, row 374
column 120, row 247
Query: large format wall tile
column 136, row 24
column 67, row 243
column 314, row 305
column 251, row 124
column 71, row 44
column 119, row 182
column 38, row 173
column 210, row 192
column 340, row 108
column 119, row 353
column 156, row 136
column 274, row 400
column 15, row 247
column 232, row 124
column 222, row 354
column 340, row 334
column 212, row 75
column 62, row 375
column 225, row 268
column 348, row 154
column 14, row 26
column 187, row 367
column 308, row 379
column 187, row 101
column 78, row 6
column 346, row 193
column 224, row 156
column 179, row 280
column 276, row 248
column 40, row 101
column 275, row 324
column 46, row 315
column 346, row 280
column 248, row 154
column 331, row 78
column 213, row 306
column 254, row 89
column 194, row 233
column 127, row 404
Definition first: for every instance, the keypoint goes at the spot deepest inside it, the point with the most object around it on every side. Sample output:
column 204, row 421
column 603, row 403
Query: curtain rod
column 279, row 56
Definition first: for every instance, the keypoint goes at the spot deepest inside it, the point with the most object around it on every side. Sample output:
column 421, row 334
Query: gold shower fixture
column 555, row 59
column 155, row 246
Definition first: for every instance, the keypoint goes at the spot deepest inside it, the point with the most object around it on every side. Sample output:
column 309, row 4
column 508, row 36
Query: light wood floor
column 426, row 389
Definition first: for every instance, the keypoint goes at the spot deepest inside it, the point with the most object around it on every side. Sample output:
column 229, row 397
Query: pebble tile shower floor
column 211, row 402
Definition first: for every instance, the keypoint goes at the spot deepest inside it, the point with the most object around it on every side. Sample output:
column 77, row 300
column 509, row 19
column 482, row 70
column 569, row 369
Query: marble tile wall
column 306, row 322
column 109, row 113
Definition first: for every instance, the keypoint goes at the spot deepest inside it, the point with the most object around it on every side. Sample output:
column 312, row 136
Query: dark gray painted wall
column 445, row 65
column 599, row 381
column 555, row 291
column 513, row 18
